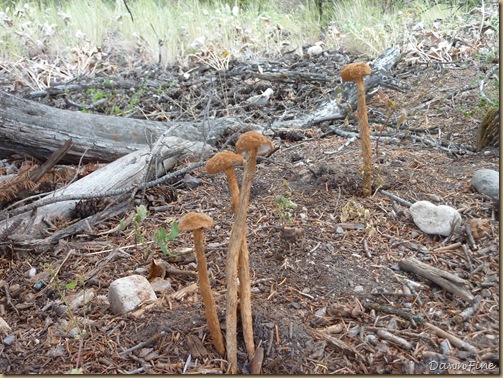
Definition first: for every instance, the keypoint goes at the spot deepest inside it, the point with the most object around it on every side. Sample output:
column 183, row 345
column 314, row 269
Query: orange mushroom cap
column 253, row 140
column 193, row 221
column 222, row 161
column 353, row 71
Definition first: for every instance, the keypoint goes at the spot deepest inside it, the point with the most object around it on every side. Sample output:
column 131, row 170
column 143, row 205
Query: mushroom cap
column 222, row 161
column 193, row 221
column 353, row 71
column 251, row 140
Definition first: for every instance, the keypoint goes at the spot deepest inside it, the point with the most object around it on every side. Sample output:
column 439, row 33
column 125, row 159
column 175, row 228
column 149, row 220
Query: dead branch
column 469, row 312
column 385, row 335
column 457, row 342
column 446, row 280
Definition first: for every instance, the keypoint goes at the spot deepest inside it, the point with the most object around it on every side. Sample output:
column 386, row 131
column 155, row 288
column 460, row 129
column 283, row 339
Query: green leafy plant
column 162, row 238
column 284, row 205
column 97, row 94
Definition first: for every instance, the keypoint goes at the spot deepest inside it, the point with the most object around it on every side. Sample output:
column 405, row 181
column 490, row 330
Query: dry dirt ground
column 327, row 288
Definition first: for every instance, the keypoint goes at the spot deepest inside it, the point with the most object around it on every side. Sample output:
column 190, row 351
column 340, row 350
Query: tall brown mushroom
column 249, row 144
column 355, row 72
column 197, row 222
column 225, row 161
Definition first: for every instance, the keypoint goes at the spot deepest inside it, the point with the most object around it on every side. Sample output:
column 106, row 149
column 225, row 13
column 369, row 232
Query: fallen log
column 33, row 129
column 113, row 179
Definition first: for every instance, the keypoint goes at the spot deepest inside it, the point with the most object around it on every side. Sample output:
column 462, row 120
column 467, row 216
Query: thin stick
column 452, row 339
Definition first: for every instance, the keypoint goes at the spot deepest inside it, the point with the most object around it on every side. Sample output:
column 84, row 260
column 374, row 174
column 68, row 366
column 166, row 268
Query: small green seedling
column 284, row 205
column 162, row 238
column 141, row 214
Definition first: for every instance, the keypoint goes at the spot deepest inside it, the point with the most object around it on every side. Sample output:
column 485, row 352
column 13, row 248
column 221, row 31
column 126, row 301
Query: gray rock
column 161, row 286
column 432, row 219
column 191, row 182
column 9, row 340
column 487, row 181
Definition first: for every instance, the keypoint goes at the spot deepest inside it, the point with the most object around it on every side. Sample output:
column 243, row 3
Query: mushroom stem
column 233, row 188
column 364, row 137
column 243, row 271
column 235, row 246
column 245, row 297
column 205, row 287
column 355, row 72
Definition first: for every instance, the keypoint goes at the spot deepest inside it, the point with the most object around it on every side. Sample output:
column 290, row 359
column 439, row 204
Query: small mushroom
column 355, row 72
column 225, row 161
column 249, row 144
column 198, row 222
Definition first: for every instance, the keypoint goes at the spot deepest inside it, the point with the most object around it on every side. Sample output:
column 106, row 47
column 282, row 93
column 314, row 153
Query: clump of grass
column 370, row 26
column 162, row 31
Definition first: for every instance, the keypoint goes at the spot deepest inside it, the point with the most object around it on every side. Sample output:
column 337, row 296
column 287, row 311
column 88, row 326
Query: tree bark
column 37, row 130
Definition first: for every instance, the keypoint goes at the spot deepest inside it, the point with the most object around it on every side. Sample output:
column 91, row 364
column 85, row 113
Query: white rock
column 487, row 181
column 433, row 219
column 124, row 294
column 316, row 49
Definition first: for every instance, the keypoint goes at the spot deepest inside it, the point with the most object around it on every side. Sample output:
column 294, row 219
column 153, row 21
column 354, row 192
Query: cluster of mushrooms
column 249, row 145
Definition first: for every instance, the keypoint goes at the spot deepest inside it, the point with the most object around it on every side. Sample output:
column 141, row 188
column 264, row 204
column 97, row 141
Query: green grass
column 84, row 36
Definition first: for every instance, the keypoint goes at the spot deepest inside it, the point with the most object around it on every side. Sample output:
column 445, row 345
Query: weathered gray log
column 122, row 173
column 28, row 127
column 446, row 280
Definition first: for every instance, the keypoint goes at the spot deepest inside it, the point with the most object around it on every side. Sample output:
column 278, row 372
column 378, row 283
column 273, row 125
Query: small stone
column 161, row 286
column 191, row 181
column 486, row 293
column 141, row 271
column 434, row 198
column 39, row 285
column 321, row 312
column 31, row 272
column 437, row 220
column 125, row 294
column 9, row 340
column 487, row 181
column 414, row 234
column 358, row 289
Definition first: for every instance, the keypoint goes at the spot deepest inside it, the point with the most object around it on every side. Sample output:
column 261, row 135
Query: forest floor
column 326, row 285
